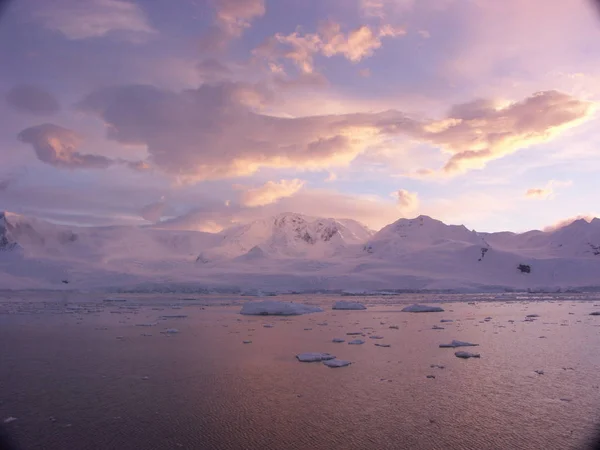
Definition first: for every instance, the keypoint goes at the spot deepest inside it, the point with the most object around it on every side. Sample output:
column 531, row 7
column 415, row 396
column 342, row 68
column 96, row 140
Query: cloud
column 328, row 41
column 546, row 192
column 270, row 192
column 218, row 131
column 211, row 69
column 383, row 8
column 154, row 211
column 32, row 99
column 77, row 19
column 564, row 222
column 57, row 146
column 538, row 193
column 407, row 200
column 477, row 132
column 232, row 18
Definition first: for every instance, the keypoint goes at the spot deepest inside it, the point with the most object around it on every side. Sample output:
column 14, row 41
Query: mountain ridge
column 297, row 252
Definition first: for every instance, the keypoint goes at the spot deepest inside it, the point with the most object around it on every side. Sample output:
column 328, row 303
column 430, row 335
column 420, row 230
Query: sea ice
column 466, row 355
column 375, row 337
column 336, row 363
column 394, row 327
column 435, row 327
column 532, row 315
column 382, row 345
column 174, row 316
column 170, row 331
column 356, row 342
column 456, row 343
column 10, row 419
column 247, row 342
column 355, row 333
column 343, row 304
column 268, row 325
column 422, row 308
column 313, row 357
column 446, row 320
column 274, row 308
column 338, row 340
column 595, row 313
column 539, row 372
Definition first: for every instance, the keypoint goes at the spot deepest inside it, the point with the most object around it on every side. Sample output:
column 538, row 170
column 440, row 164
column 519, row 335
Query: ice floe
column 422, row 308
column 274, row 308
column 314, row 357
column 456, row 343
column 343, row 304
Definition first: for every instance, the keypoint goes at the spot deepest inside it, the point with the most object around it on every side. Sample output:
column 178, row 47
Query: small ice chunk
column 394, row 327
column 247, row 342
column 170, row 331
column 356, row 342
column 375, row 337
column 539, row 372
column 174, row 316
column 268, row 325
column 307, row 329
column 338, row 340
column 422, row 308
column 430, row 376
column 467, row 355
column 275, row 308
column 120, row 337
column 343, row 304
column 456, row 343
column 437, row 366
column 355, row 333
column 446, row 320
column 595, row 313
column 435, row 327
column 314, row 357
column 382, row 345
column 9, row 419
column 532, row 315
column 145, row 378
column 145, row 324
column 336, row 363
column 323, row 324
column 146, row 334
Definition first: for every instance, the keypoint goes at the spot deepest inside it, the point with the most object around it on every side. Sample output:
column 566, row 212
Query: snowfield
column 295, row 253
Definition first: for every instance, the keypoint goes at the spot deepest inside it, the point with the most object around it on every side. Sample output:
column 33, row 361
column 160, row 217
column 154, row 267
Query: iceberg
column 342, row 304
column 336, row 363
column 466, row 355
column 314, row 357
column 456, row 343
column 275, row 308
column 422, row 308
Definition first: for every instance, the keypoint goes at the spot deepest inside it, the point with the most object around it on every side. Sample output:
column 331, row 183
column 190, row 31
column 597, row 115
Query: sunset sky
column 481, row 112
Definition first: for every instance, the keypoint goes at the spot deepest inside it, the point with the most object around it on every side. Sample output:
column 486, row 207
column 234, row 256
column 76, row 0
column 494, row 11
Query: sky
column 207, row 113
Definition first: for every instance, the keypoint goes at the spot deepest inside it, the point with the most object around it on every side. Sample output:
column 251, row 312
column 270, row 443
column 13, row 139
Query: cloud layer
column 32, row 99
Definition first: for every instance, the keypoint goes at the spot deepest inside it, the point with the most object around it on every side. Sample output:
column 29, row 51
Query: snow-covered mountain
column 295, row 252
column 288, row 235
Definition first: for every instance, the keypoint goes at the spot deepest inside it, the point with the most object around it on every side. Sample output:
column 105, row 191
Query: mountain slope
column 295, row 252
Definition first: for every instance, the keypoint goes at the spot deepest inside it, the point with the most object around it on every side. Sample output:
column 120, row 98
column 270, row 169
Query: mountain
column 289, row 235
column 296, row 252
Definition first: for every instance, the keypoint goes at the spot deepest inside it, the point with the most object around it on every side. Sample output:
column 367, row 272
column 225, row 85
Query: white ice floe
column 356, row 342
column 375, row 337
column 467, row 355
column 532, row 315
column 355, row 333
column 268, row 325
column 338, row 340
column 422, row 308
column 275, row 308
column 456, row 343
column 435, row 327
column 314, row 357
column 9, row 419
column 170, row 331
column 446, row 320
column 343, row 304
column 247, row 342
column 394, row 327
column 336, row 363
column 382, row 345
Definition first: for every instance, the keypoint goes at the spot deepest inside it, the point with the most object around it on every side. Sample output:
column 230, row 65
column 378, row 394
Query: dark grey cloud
column 32, row 99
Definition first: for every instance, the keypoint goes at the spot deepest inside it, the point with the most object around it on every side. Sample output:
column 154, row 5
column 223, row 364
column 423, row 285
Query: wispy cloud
column 270, row 192
column 77, row 19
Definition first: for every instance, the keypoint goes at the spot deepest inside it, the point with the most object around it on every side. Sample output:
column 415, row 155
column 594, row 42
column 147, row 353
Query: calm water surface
column 79, row 373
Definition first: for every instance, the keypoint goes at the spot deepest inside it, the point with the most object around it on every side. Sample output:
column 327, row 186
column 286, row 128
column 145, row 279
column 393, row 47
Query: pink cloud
column 270, row 192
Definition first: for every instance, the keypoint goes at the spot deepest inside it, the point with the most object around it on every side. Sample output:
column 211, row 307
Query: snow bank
column 422, row 308
column 313, row 357
column 336, row 363
column 456, row 343
column 343, row 304
column 274, row 308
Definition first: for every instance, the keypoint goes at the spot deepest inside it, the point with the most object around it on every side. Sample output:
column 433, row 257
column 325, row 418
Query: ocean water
column 79, row 373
